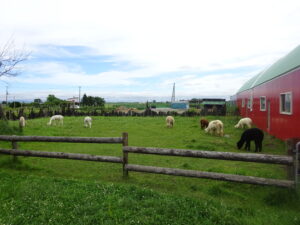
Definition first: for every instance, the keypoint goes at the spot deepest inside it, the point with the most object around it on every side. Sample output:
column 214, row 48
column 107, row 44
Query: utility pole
column 79, row 94
column 6, row 96
column 173, row 94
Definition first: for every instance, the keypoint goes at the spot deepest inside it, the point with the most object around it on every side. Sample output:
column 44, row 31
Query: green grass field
column 78, row 192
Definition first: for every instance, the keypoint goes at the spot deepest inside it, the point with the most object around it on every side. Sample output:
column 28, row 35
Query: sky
column 135, row 50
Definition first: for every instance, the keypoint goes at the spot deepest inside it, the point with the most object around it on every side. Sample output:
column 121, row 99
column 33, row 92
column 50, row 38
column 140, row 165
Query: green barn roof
column 289, row 62
column 213, row 103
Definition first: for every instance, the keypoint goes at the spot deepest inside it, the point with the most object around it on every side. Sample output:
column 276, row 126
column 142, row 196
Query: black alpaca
column 248, row 135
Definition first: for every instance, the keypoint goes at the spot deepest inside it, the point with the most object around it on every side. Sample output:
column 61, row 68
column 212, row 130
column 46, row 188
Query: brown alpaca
column 204, row 123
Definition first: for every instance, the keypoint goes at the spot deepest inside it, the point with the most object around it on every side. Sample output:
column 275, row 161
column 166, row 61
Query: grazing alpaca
column 244, row 122
column 57, row 119
column 215, row 127
column 204, row 123
column 253, row 134
column 88, row 122
column 22, row 122
column 170, row 121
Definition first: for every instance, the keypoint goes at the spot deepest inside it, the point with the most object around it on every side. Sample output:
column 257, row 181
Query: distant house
column 73, row 100
column 272, row 97
column 180, row 105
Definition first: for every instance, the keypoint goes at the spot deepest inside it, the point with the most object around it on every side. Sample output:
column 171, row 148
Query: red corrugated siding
column 281, row 125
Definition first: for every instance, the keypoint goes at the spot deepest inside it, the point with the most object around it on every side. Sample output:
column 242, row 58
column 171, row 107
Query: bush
column 6, row 129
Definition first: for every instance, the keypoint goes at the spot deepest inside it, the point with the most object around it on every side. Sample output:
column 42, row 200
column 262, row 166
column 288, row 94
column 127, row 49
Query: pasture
column 225, row 203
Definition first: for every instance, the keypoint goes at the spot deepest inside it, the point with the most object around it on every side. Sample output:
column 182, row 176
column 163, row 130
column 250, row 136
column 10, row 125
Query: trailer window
column 286, row 103
column 263, row 103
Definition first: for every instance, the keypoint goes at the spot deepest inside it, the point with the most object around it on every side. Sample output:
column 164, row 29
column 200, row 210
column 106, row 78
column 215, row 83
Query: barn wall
column 281, row 125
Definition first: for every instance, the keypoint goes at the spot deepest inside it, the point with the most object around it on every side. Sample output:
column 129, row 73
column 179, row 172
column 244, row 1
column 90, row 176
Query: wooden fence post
column 290, row 147
column 14, row 145
column 125, row 154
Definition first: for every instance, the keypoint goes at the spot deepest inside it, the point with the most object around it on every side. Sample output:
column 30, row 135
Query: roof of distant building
column 213, row 103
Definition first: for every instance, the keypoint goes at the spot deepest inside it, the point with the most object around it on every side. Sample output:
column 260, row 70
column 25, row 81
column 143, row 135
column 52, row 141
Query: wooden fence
column 62, row 155
column 249, row 157
column 290, row 161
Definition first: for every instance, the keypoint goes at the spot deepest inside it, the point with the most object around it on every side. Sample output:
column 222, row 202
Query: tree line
column 52, row 101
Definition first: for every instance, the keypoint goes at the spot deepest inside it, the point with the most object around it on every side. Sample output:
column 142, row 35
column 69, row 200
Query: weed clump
column 6, row 129
column 280, row 198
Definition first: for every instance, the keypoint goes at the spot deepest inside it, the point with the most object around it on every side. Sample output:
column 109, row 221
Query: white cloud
column 159, row 37
column 59, row 74
column 219, row 85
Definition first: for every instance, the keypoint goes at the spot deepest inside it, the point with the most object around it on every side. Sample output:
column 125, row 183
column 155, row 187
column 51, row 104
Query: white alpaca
column 88, row 122
column 215, row 127
column 170, row 121
column 22, row 122
column 244, row 122
column 56, row 119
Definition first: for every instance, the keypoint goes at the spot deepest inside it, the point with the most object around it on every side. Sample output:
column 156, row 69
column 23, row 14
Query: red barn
column 272, row 98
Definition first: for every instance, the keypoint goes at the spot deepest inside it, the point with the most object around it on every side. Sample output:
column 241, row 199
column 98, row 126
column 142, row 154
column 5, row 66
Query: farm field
column 71, row 191
column 137, row 105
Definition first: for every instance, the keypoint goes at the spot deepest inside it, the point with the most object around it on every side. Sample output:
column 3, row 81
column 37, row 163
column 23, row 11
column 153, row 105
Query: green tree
column 15, row 104
column 37, row 102
column 84, row 100
column 99, row 102
column 92, row 101
column 53, row 101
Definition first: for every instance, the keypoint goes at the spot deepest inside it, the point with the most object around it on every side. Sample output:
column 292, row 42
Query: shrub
column 5, row 128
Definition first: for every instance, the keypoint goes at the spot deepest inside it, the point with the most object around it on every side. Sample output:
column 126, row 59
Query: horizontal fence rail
column 246, row 157
column 62, row 155
column 262, row 158
column 210, row 175
column 103, row 140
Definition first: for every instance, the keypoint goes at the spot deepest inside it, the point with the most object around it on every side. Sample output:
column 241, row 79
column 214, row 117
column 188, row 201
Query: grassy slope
column 267, row 203
column 40, row 200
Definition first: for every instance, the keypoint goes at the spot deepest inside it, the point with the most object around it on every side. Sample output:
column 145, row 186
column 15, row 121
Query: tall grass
column 7, row 129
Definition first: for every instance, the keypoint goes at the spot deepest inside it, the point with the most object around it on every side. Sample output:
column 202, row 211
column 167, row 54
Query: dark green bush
column 6, row 129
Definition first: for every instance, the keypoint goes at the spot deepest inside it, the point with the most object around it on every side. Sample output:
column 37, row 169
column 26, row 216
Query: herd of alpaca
column 251, row 134
column 214, row 127
column 58, row 120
